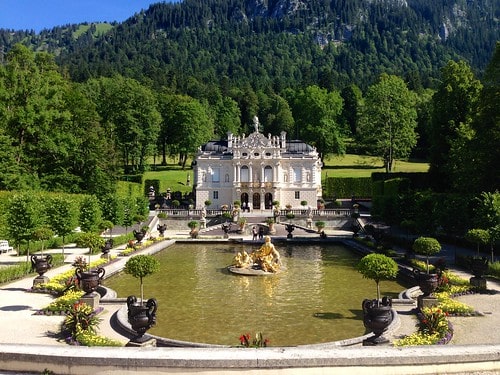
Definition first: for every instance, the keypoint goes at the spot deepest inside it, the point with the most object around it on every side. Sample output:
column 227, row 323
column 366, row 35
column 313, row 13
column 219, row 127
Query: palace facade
column 257, row 170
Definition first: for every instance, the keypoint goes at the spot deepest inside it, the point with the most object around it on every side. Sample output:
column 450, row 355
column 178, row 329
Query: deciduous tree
column 388, row 121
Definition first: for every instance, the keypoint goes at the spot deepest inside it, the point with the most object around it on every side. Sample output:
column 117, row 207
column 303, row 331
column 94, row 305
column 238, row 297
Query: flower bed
column 433, row 329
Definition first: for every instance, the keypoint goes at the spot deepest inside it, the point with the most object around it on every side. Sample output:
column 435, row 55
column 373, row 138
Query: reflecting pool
column 317, row 299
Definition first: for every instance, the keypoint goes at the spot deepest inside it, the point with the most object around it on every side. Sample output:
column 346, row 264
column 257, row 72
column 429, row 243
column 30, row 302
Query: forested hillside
column 277, row 43
column 80, row 105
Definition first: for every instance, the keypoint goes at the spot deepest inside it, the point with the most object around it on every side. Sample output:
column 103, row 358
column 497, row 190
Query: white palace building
column 257, row 170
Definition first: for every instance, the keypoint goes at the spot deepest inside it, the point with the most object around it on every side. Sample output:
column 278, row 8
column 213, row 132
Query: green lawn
column 173, row 177
column 363, row 166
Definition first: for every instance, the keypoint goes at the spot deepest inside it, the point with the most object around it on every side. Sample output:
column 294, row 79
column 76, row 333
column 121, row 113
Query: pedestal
column 376, row 341
column 427, row 301
column 203, row 223
column 40, row 280
column 147, row 343
column 91, row 299
column 309, row 223
column 478, row 282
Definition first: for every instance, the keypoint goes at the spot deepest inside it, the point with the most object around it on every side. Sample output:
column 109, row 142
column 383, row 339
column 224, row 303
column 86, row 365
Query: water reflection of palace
column 257, row 170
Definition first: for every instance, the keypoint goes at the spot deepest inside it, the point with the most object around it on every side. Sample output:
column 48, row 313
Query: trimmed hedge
column 337, row 187
column 417, row 180
column 137, row 178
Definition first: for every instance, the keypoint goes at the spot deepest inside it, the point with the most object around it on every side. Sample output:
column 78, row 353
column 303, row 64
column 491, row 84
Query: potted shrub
column 378, row 267
column 141, row 316
column 427, row 246
column 320, row 225
column 42, row 263
column 194, row 228
column 479, row 265
column 270, row 223
column 88, row 279
column 377, row 315
column 303, row 204
column 242, row 222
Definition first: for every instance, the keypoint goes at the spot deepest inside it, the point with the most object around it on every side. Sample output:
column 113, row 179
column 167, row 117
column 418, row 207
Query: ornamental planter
column 428, row 282
column 89, row 280
column 377, row 316
column 161, row 229
column 139, row 235
column 141, row 316
column 41, row 263
column 479, row 266
column 108, row 245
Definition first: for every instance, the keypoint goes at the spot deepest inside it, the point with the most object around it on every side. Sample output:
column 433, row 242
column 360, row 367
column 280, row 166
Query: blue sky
column 45, row 14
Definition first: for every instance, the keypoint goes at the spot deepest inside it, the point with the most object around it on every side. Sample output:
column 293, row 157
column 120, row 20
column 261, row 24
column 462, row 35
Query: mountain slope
column 281, row 43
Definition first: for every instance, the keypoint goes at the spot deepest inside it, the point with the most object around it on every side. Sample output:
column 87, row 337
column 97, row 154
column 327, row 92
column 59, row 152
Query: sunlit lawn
column 171, row 176
column 363, row 166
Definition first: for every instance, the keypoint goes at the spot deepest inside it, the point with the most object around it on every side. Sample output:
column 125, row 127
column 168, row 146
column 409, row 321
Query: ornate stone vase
column 108, row 245
column 428, row 282
column 89, row 280
column 161, row 229
column 377, row 317
column 479, row 266
column 141, row 316
column 41, row 263
column 139, row 235
column 289, row 228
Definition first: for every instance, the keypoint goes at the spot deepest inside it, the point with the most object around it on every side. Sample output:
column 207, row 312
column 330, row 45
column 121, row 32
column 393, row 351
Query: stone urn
column 289, row 228
column 108, row 245
column 139, row 235
column 41, row 263
column 141, row 316
column 377, row 316
column 428, row 282
column 479, row 266
column 161, row 229
column 89, row 280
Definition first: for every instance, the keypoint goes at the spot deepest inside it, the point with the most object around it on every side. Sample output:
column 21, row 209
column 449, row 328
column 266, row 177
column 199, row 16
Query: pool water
column 316, row 299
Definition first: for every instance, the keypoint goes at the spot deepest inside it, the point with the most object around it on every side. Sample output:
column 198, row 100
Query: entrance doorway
column 244, row 201
column 256, row 201
column 268, row 201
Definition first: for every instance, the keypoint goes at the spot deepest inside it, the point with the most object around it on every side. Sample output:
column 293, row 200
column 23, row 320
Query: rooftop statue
column 256, row 124
column 264, row 260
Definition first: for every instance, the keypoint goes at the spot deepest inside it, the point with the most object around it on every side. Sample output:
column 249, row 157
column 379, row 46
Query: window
column 297, row 174
column 268, row 174
column 244, row 174
column 297, row 195
column 215, row 175
column 215, row 195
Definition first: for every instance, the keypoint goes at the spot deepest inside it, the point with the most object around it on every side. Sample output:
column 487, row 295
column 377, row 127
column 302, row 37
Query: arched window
column 297, row 174
column 244, row 174
column 268, row 174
